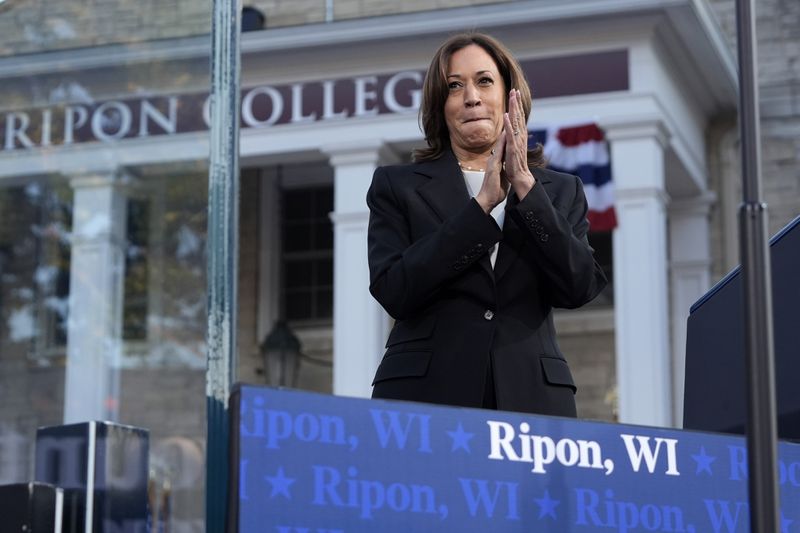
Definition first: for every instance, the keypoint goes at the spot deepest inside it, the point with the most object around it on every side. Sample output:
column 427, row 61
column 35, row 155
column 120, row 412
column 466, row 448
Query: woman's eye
column 486, row 81
column 453, row 85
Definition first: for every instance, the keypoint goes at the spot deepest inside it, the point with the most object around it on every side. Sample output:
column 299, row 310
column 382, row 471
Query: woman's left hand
column 516, row 148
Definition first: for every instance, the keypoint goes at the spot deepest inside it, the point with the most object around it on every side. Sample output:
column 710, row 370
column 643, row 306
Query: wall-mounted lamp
column 252, row 19
column 281, row 353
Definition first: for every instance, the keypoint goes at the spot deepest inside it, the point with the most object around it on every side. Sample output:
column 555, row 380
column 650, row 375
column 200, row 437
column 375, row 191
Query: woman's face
column 475, row 104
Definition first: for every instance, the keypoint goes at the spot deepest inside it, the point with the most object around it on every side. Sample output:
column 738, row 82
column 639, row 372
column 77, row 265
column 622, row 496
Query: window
column 135, row 308
column 307, row 254
column 35, row 268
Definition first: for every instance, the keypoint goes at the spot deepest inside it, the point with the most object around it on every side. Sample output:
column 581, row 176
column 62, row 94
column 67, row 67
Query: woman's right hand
column 495, row 186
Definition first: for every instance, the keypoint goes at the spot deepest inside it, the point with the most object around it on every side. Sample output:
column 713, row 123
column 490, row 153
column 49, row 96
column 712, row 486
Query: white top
column 474, row 180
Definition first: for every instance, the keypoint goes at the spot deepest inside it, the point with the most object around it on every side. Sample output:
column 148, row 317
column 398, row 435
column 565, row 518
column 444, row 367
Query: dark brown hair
column 435, row 92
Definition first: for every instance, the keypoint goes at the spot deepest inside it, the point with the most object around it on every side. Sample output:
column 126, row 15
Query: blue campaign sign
column 310, row 463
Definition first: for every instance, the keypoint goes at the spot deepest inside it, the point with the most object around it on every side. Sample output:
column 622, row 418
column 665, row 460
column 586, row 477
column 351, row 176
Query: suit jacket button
column 488, row 315
column 544, row 237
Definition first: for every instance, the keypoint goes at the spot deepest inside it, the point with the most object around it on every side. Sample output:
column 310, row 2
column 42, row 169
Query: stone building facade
column 778, row 32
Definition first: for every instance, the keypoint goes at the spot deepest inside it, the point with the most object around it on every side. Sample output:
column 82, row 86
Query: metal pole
column 756, row 272
column 223, row 253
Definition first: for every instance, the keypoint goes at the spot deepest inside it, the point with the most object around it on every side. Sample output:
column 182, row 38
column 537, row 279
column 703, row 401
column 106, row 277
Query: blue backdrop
column 314, row 463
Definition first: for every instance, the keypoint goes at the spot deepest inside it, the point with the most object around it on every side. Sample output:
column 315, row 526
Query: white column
column 640, row 273
column 690, row 264
column 360, row 325
column 97, row 273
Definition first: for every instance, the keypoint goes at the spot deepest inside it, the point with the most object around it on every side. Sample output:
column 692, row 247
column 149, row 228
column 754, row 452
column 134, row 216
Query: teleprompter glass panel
column 103, row 209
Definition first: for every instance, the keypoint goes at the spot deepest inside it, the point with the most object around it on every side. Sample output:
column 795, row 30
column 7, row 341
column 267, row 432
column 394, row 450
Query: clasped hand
column 508, row 163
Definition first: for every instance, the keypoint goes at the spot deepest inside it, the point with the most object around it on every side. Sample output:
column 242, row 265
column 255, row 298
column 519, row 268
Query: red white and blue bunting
column 582, row 150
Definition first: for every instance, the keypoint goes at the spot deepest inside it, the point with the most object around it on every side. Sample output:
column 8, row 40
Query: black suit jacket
column 429, row 268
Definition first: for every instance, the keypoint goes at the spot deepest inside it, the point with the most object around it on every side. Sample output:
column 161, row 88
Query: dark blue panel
column 314, row 463
column 715, row 392
column 103, row 469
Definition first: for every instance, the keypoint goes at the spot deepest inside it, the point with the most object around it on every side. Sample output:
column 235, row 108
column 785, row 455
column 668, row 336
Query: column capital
column 359, row 218
column 645, row 127
column 372, row 152
column 699, row 205
column 689, row 221
column 638, row 193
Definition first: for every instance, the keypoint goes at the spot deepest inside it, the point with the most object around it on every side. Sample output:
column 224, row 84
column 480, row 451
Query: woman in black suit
column 472, row 245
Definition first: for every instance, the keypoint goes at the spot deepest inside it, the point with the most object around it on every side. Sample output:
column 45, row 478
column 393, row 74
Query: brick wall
column 169, row 402
column 586, row 338
column 39, row 25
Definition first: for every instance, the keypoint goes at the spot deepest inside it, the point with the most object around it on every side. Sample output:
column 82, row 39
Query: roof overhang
column 686, row 23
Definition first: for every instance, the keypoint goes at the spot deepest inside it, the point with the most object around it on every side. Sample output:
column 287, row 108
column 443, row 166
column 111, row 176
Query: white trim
column 703, row 14
column 640, row 127
column 613, row 112
column 349, row 217
column 90, row 471
column 637, row 193
column 59, row 511
column 689, row 277
column 599, row 198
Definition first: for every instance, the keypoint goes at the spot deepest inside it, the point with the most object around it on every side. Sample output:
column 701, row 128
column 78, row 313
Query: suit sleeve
column 404, row 275
column 566, row 259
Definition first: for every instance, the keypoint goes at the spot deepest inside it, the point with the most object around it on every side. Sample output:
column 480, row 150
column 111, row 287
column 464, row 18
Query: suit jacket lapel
column 446, row 192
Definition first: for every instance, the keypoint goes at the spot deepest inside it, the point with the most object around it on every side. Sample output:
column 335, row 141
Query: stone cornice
column 691, row 20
